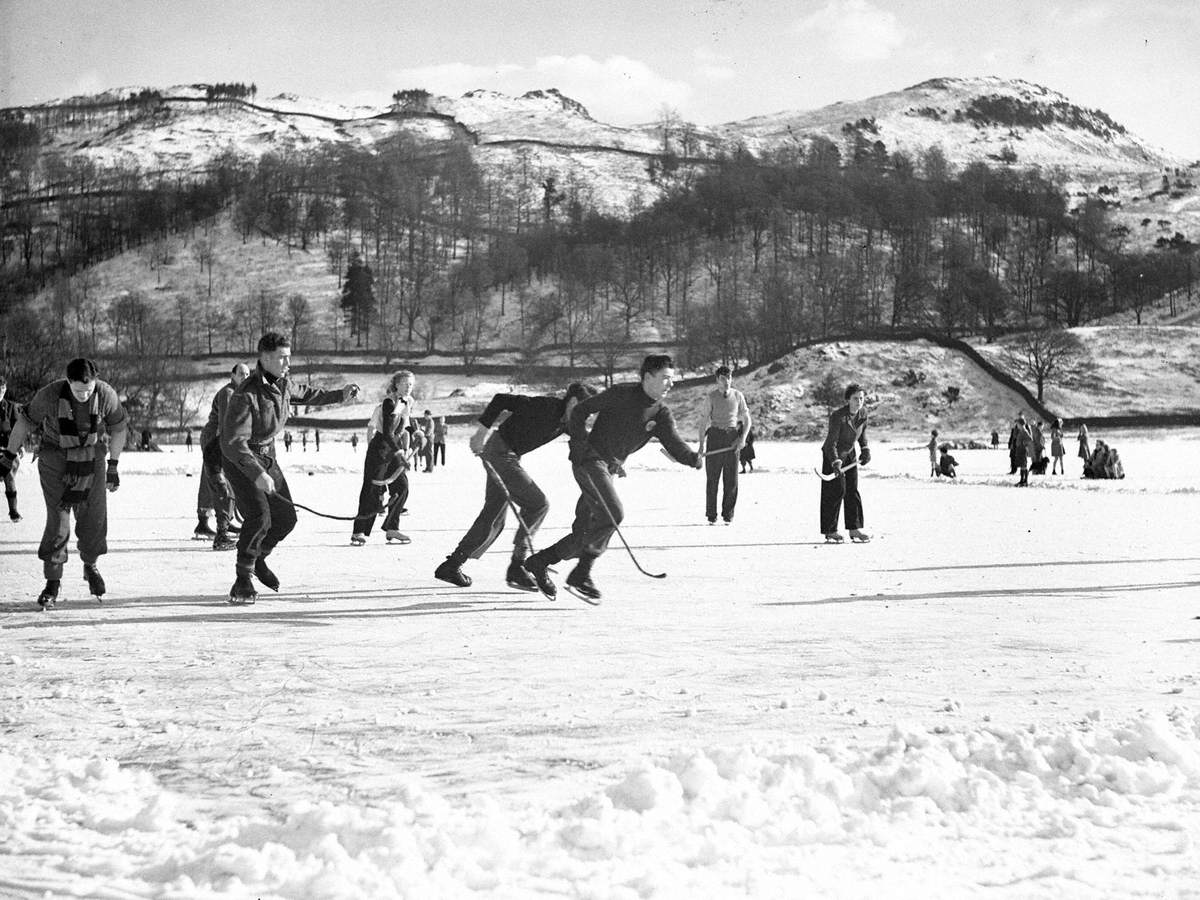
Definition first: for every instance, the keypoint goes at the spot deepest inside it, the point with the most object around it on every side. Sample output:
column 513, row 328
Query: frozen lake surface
column 997, row 696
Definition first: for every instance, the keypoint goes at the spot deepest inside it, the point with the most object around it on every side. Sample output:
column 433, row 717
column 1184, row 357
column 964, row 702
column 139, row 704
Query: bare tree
column 1042, row 356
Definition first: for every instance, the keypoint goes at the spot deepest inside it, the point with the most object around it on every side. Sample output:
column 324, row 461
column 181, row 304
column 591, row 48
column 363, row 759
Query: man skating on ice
column 627, row 416
column 9, row 410
column 847, row 433
column 257, row 412
column 80, row 421
column 724, row 423
column 530, row 423
column 214, row 488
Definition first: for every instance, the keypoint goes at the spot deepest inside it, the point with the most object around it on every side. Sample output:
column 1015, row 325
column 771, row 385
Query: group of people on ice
column 82, row 425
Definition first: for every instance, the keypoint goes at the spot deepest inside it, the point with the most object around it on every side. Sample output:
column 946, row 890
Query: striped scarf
column 79, row 449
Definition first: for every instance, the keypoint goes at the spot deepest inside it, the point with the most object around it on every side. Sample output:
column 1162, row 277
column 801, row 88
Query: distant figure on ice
column 747, row 455
column 287, row 441
column 933, row 452
column 188, row 440
column 995, row 439
column 317, row 440
column 214, row 492
column 1085, row 449
column 9, row 410
column 256, row 413
column 947, row 464
column 354, row 442
column 724, row 423
column 385, row 471
column 426, row 426
column 845, row 443
column 80, row 421
column 510, row 427
column 439, row 440
column 1056, row 449
column 1020, row 442
column 627, row 416
column 1037, row 453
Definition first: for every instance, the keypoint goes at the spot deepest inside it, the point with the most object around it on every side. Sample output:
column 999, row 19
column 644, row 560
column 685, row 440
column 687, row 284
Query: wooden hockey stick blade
column 833, row 475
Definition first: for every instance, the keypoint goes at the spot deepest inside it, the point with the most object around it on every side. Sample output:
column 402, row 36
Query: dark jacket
column 532, row 421
column 220, row 402
column 257, row 411
column 626, row 418
column 846, row 434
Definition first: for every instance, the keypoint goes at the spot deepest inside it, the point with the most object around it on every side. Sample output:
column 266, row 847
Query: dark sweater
column 626, row 418
column 533, row 421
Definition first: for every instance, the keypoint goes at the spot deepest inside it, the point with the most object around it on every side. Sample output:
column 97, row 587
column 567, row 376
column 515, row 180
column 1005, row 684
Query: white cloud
column 716, row 73
column 616, row 89
column 854, row 30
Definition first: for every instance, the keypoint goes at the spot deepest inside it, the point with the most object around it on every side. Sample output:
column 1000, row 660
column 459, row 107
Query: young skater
column 627, row 416
column 385, row 472
column 847, row 434
column 80, row 421
column 214, row 490
column 934, row 468
column 500, row 441
column 257, row 412
column 724, row 423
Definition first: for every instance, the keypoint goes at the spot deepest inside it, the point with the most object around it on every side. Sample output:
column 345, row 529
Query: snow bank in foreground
column 1087, row 810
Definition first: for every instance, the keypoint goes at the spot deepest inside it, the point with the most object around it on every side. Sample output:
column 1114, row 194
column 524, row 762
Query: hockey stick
column 595, row 496
column 495, row 476
column 314, row 512
column 704, row 455
column 402, row 466
column 832, row 475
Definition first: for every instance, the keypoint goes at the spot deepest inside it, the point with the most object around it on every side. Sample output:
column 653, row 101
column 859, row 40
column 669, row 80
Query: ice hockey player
column 510, row 427
column 214, row 488
column 385, row 471
column 81, row 421
column 845, row 443
column 627, row 416
column 258, row 410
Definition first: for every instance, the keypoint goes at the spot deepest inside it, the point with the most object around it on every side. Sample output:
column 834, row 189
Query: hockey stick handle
column 832, row 475
column 495, row 476
column 594, row 496
column 704, row 455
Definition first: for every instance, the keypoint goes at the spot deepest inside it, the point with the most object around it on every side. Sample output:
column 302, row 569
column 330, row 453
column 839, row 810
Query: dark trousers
column 597, row 514
column 10, row 488
column 91, row 516
column 439, row 450
column 722, row 469
column 266, row 518
column 379, row 464
column 214, row 492
column 838, row 492
column 525, row 494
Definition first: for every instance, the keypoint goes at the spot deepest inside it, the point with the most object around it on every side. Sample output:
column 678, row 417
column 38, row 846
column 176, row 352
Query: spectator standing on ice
column 426, row 426
column 995, row 439
column 1020, row 443
column 256, row 413
column 747, row 453
column 80, row 421
column 933, row 452
column 724, row 423
column 317, row 440
column 385, row 471
column 214, row 487
column 9, row 410
column 1038, row 451
column 1085, row 450
column 1056, row 448
column 627, row 416
column 439, row 440
column 287, row 441
column 845, row 443
column 354, row 442
column 510, row 427
column 188, row 440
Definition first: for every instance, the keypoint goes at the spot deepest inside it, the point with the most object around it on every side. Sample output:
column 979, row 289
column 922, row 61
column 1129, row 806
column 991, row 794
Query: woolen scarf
column 79, row 449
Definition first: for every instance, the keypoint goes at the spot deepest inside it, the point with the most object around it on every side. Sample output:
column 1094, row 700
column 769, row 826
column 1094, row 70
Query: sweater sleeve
column 236, row 430
column 829, row 448
column 311, row 396
column 669, row 437
column 499, row 403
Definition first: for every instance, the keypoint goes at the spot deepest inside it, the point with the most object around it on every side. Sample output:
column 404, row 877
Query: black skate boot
column 95, row 582
column 539, row 567
column 265, row 575
column 517, row 577
column 579, row 583
column 450, row 571
column 242, row 593
column 12, row 506
column 223, row 541
column 49, row 594
column 203, row 530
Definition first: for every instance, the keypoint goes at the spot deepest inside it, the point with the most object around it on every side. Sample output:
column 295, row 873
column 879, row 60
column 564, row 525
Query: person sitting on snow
column 947, row 464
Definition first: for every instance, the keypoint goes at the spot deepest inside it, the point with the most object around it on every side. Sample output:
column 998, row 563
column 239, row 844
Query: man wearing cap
column 214, row 492
column 258, row 410
column 81, row 421
column 724, row 424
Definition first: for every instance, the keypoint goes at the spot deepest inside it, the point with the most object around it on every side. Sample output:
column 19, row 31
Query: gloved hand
column 699, row 461
column 864, row 456
column 264, row 483
column 837, row 464
column 349, row 392
column 8, row 462
column 112, row 480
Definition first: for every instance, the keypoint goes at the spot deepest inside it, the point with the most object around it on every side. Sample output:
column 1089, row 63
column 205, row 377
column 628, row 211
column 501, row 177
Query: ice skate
column 223, row 541
column 49, row 594
column 834, row 537
column 451, row 572
column 265, row 575
column 540, row 570
column 95, row 582
column 397, row 537
column 859, row 537
column 579, row 583
column 14, row 516
column 358, row 540
column 518, row 578
column 204, row 531
column 242, row 593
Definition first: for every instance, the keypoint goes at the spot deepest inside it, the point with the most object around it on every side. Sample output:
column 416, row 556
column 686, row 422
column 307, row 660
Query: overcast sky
column 712, row 61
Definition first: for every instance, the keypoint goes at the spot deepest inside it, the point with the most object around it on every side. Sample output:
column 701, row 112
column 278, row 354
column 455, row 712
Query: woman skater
column 385, row 472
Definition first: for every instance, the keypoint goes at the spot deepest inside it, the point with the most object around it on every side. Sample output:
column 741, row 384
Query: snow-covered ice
column 996, row 696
